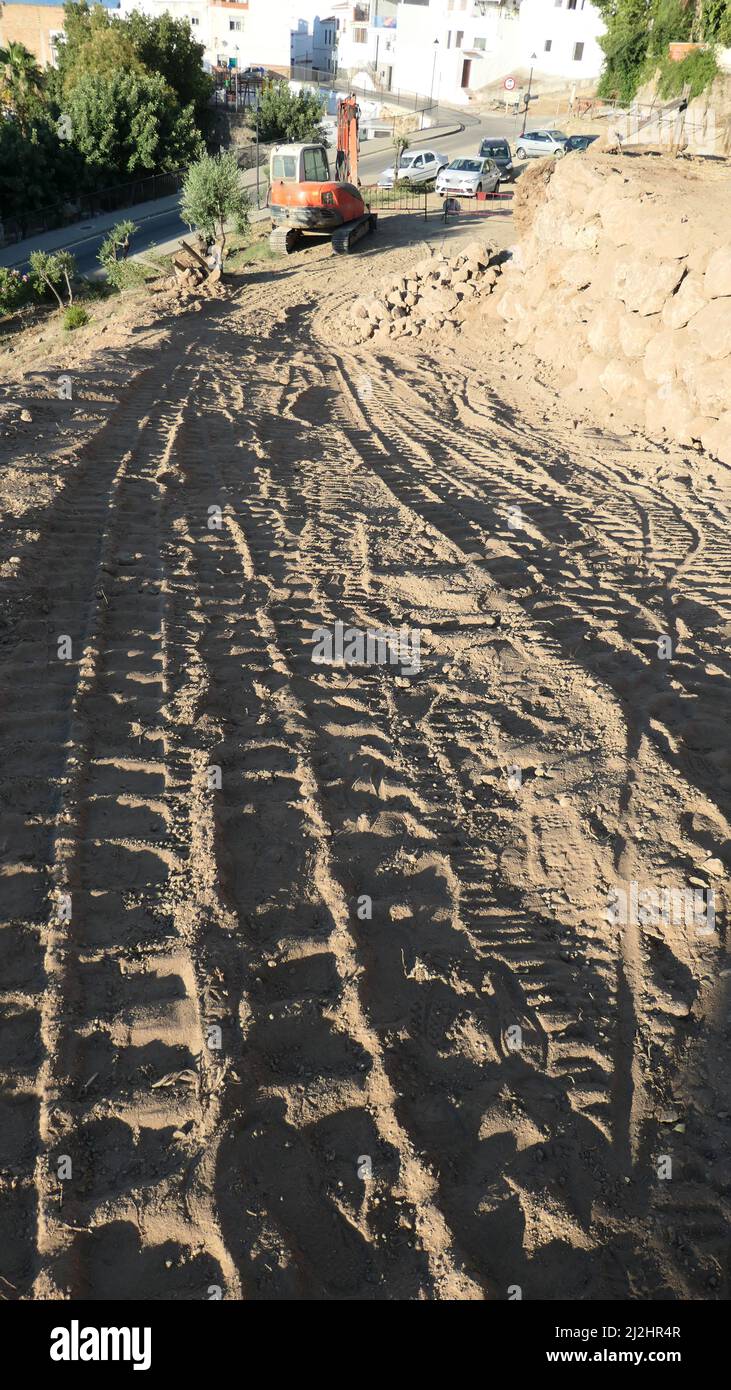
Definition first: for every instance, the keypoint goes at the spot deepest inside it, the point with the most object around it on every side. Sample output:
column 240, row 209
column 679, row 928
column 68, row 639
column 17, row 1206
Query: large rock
column 644, row 284
column 712, row 324
column 682, row 306
column 669, row 411
column 635, row 332
column 579, row 270
column 659, row 361
column 619, row 380
column 710, row 384
column 717, row 279
column 603, row 329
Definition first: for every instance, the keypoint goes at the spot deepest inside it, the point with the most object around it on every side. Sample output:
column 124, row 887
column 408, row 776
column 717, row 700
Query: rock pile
column 432, row 297
column 623, row 284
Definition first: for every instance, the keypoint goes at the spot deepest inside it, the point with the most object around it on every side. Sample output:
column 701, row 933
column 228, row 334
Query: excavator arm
column 346, row 158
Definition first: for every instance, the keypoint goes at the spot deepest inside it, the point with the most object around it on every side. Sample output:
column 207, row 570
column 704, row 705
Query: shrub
column 113, row 252
column 698, row 69
column 75, row 316
column 15, row 290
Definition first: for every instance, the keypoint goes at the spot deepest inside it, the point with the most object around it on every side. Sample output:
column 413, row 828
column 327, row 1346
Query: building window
column 459, row 38
column 360, row 36
column 558, row 4
column 361, row 13
column 548, row 45
column 480, row 45
column 570, row 4
column 194, row 22
column 578, row 52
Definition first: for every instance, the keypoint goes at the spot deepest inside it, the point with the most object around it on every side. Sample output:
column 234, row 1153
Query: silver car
column 416, row 166
column 535, row 143
column 467, row 176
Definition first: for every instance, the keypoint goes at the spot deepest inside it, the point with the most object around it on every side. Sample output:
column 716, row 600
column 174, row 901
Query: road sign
column 509, row 83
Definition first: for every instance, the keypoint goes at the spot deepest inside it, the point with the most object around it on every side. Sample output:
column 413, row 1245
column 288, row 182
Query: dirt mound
column 530, row 192
column 623, row 283
column 434, row 296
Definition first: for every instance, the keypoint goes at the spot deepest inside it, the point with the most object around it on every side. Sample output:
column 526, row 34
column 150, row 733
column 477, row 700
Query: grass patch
column 75, row 316
column 250, row 251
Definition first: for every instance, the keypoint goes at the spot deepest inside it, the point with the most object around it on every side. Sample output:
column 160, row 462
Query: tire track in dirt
column 352, row 489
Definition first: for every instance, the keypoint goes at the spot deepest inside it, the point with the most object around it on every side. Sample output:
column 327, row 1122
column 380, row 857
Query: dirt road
column 309, row 987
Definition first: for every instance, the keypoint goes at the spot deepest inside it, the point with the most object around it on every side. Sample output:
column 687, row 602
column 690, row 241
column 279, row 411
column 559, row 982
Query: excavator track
column 346, row 237
column 285, row 240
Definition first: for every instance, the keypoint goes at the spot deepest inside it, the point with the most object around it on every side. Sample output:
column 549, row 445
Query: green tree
column 625, row 45
column 21, row 84
column 289, row 117
column 637, row 36
column 36, row 169
column 131, row 123
column 167, row 46
column 51, row 271
column 213, row 196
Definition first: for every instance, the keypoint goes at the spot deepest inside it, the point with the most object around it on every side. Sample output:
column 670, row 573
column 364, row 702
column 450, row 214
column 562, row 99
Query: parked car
column 416, row 166
column 579, row 142
column 499, row 150
column 468, row 176
column 535, row 143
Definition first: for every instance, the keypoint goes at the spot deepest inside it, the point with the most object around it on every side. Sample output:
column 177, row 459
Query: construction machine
column 303, row 198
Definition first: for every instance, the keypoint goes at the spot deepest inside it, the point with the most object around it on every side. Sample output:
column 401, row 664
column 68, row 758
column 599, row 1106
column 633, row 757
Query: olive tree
column 214, row 197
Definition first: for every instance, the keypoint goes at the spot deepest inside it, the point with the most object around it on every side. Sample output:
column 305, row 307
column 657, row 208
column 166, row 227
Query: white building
column 449, row 48
column 273, row 34
column 367, row 33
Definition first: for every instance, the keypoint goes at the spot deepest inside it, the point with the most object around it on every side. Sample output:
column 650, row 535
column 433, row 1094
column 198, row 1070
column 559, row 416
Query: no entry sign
column 509, row 83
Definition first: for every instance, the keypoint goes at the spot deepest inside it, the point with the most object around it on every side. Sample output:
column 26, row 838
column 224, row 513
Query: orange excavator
column 303, row 198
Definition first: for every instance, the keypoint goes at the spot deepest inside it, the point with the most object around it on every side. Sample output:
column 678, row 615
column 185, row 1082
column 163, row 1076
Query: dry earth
column 145, row 907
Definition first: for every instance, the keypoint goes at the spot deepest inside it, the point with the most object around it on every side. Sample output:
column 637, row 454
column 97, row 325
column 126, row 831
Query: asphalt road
column 162, row 231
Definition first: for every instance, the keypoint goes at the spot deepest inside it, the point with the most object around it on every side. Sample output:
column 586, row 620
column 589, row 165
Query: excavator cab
column 304, row 198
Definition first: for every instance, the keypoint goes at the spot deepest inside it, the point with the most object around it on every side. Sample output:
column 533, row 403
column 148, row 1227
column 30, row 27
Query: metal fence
column 88, row 205
column 402, row 198
column 482, row 205
column 120, row 196
column 344, row 81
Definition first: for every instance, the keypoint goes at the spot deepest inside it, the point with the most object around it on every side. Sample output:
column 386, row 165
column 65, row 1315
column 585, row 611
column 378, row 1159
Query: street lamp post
column 527, row 99
column 528, row 95
column 433, row 71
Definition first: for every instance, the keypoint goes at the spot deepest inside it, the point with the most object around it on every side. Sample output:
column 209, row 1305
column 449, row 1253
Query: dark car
column 499, row 152
column 579, row 142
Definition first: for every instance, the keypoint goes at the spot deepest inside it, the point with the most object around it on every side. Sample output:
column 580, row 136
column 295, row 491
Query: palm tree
column 21, row 82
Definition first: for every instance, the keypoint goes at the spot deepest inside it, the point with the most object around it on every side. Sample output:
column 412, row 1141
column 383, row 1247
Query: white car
column 417, row 166
column 467, row 176
column 537, row 143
